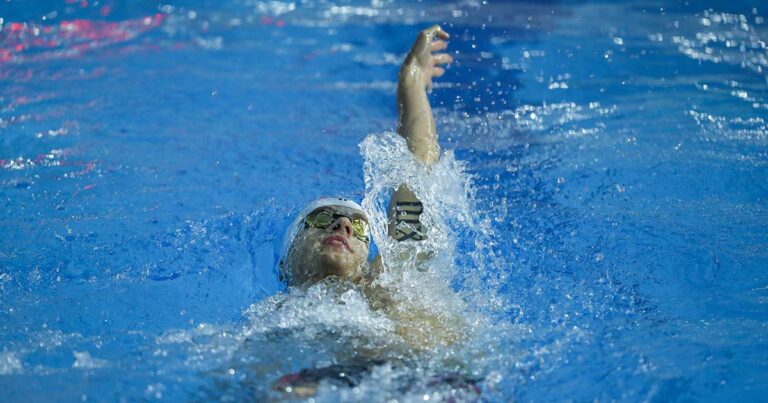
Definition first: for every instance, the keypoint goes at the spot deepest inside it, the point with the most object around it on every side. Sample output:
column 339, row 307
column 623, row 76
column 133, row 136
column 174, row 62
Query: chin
column 337, row 264
column 334, row 266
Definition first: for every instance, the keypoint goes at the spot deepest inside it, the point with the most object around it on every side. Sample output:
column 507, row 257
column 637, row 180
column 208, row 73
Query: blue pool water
column 613, row 242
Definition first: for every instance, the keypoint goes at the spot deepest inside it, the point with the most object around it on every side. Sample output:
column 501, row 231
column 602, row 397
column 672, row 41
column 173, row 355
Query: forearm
column 415, row 121
column 417, row 125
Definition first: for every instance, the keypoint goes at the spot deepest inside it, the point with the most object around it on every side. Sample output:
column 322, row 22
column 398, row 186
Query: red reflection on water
column 89, row 165
column 84, row 188
column 31, row 41
column 266, row 20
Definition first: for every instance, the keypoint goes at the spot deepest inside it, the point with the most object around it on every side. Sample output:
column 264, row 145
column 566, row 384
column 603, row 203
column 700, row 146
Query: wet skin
column 317, row 253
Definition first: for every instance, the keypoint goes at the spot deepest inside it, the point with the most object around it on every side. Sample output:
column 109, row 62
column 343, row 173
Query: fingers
column 422, row 44
column 442, row 58
column 430, row 40
column 431, row 33
column 435, row 31
column 438, row 71
column 439, row 45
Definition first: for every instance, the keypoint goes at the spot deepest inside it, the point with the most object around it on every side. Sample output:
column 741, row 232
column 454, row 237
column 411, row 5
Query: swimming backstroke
column 330, row 238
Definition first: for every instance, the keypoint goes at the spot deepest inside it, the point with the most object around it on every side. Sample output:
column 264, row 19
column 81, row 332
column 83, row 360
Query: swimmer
column 330, row 238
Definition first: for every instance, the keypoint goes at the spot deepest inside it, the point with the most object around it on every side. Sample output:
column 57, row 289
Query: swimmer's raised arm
column 417, row 125
column 415, row 121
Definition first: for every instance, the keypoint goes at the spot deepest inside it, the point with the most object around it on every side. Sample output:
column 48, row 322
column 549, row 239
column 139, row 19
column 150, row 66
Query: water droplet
column 599, row 257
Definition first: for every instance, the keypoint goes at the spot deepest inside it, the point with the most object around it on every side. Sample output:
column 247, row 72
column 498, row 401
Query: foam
column 322, row 306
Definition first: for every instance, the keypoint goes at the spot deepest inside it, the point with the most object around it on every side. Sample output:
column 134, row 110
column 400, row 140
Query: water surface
column 614, row 241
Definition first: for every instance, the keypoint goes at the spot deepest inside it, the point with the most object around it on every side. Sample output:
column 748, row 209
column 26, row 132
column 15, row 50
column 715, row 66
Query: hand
column 421, row 65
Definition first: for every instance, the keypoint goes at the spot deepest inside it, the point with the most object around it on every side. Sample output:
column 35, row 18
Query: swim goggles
column 322, row 218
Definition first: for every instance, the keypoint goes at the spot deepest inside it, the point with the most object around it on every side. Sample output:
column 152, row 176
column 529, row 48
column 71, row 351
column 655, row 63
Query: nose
column 343, row 224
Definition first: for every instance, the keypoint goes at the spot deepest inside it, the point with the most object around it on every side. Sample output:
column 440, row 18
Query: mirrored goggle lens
column 320, row 219
column 360, row 229
column 324, row 218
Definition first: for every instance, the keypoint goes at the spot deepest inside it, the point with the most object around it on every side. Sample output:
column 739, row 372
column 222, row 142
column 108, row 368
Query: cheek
column 303, row 247
column 361, row 252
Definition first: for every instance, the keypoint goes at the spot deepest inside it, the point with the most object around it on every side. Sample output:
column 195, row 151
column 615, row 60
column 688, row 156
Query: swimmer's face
column 333, row 243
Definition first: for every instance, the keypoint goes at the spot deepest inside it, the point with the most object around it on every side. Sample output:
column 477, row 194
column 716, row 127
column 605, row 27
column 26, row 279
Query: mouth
column 337, row 241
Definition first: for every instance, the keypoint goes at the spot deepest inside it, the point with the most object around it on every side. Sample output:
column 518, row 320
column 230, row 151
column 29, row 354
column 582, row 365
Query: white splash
column 322, row 306
column 443, row 188
column 83, row 359
column 445, row 191
column 10, row 363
